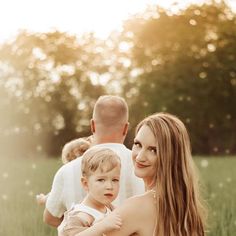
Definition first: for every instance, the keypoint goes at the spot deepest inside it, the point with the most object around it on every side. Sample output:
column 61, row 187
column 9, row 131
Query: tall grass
column 219, row 178
column 22, row 179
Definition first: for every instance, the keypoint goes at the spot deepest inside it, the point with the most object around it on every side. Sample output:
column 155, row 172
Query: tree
column 186, row 65
column 47, row 90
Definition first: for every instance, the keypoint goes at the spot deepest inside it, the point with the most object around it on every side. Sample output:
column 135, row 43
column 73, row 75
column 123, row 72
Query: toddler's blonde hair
column 68, row 151
column 98, row 158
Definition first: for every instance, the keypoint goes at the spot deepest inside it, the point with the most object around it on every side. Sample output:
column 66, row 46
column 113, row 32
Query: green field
column 21, row 180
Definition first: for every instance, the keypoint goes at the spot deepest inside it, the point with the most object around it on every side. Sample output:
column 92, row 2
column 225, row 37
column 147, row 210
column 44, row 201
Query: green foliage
column 187, row 67
column 181, row 63
column 47, row 92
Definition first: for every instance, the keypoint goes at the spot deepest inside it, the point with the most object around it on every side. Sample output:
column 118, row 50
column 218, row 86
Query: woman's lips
column 139, row 165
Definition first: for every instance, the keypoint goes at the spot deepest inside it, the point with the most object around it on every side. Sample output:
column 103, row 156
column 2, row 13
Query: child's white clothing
column 72, row 222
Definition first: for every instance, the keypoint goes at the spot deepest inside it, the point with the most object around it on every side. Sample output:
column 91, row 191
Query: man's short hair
column 110, row 110
column 98, row 158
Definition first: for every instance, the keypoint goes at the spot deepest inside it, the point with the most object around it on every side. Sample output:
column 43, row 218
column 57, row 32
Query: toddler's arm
column 109, row 223
column 74, row 222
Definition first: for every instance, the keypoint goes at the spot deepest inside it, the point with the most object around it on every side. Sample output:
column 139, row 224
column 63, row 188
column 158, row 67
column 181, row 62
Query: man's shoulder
column 68, row 167
column 119, row 147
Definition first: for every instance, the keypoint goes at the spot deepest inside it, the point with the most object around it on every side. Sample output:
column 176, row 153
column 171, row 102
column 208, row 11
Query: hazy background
column 58, row 57
column 178, row 61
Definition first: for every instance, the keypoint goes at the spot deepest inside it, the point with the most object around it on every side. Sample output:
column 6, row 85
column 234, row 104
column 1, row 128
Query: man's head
column 110, row 120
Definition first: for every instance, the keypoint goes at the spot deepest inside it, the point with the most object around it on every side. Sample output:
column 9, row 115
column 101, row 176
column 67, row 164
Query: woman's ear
column 84, row 182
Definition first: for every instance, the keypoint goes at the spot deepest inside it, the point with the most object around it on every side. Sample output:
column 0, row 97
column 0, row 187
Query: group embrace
column 151, row 190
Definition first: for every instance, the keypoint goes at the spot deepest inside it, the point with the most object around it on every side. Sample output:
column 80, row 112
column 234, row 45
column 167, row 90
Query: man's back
column 109, row 126
column 67, row 189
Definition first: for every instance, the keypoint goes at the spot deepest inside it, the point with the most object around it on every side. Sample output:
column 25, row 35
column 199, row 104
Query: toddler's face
column 103, row 188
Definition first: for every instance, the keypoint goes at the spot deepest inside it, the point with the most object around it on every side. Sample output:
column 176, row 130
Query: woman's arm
column 128, row 213
column 121, row 222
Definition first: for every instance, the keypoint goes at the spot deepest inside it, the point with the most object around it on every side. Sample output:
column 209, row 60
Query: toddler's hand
column 41, row 199
column 111, row 222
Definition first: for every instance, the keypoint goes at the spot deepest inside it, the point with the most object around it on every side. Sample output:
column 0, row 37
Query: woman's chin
column 139, row 174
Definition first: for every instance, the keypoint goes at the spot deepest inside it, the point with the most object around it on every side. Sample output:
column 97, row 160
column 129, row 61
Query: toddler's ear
column 84, row 183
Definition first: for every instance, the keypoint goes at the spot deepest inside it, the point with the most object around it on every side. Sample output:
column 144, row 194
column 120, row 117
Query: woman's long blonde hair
column 179, row 208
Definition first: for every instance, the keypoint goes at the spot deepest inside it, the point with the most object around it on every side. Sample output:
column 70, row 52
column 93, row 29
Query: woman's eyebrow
column 136, row 140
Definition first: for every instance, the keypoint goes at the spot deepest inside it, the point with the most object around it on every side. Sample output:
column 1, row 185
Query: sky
column 74, row 16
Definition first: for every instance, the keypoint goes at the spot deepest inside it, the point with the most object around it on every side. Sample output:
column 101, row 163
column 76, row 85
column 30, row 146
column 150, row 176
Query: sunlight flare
column 77, row 17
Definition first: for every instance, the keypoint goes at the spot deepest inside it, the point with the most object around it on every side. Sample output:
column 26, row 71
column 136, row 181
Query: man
column 109, row 126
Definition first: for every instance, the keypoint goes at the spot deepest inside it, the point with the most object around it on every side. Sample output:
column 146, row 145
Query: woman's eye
column 137, row 144
column 154, row 150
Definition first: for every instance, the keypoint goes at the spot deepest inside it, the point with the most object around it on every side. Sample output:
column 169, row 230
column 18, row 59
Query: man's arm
column 51, row 220
column 54, row 208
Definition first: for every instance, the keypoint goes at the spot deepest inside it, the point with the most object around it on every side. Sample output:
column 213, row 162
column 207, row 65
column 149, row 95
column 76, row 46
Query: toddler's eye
column 101, row 180
column 115, row 180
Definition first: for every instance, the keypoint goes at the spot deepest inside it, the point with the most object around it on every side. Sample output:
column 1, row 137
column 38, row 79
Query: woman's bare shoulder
column 136, row 213
column 137, row 203
column 147, row 196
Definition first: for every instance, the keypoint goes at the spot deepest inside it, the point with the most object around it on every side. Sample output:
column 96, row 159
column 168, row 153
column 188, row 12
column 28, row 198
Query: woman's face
column 144, row 155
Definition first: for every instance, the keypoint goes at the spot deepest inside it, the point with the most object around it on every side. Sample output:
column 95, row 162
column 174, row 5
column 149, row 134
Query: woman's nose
column 140, row 155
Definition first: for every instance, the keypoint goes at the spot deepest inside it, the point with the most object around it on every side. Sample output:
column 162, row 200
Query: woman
column 171, row 205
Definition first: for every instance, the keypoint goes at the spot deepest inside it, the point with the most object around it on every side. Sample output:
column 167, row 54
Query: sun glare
column 75, row 16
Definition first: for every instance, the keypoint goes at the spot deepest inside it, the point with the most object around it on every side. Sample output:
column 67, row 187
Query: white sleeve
column 54, row 203
column 135, row 184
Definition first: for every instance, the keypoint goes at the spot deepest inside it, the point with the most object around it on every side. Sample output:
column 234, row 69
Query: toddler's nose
column 109, row 185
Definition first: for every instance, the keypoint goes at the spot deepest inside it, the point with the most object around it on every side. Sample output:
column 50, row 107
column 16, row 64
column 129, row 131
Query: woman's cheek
column 134, row 154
